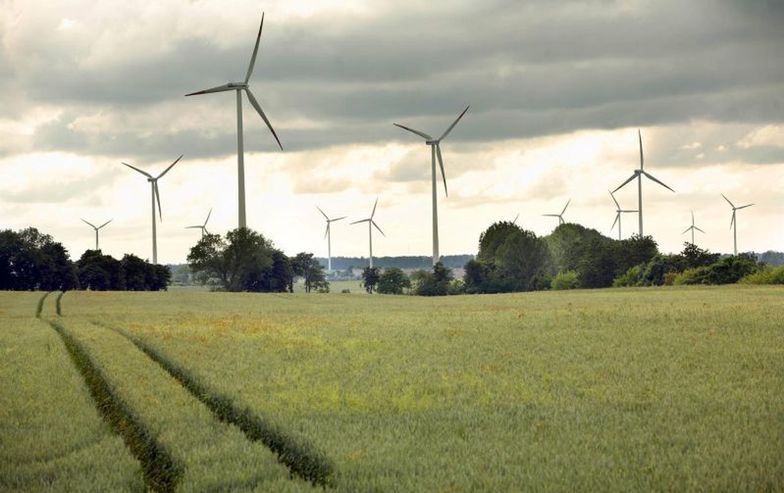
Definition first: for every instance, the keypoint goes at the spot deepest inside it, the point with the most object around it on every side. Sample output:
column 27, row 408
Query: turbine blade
column 360, row 221
column 322, row 213
column 374, row 210
column 157, row 194
column 441, row 164
column 728, row 201
column 104, row 224
column 137, row 169
column 639, row 135
column 453, row 124
column 564, row 209
column 624, row 183
column 732, row 221
column 224, row 87
column 326, row 231
column 379, row 229
column 552, row 215
column 88, row 222
column 616, row 202
column 650, row 176
column 617, row 217
column 338, row 218
column 208, row 217
column 170, row 167
column 633, row 210
column 256, row 105
column 744, row 206
column 516, row 218
column 255, row 50
column 698, row 229
column 193, row 227
column 421, row 134
column 687, row 230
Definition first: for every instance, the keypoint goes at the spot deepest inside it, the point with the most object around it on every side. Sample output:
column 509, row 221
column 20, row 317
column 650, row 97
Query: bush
column 435, row 283
column 565, row 280
column 767, row 275
column 728, row 270
column 629, row 278
column 393, row 281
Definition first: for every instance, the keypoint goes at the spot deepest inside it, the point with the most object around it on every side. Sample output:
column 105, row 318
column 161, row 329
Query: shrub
column 629, row 278
column 565, row 280
column 766, row 275
column 728, row 270
column 393, row 281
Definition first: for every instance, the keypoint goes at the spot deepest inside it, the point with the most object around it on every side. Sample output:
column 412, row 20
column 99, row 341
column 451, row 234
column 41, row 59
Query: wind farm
column 472, row 344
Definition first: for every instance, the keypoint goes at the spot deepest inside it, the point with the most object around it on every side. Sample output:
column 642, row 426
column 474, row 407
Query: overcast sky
column 557, row 92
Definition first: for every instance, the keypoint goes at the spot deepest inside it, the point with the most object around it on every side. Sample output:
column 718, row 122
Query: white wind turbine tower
column 96, row 228
column 238, row 87
column 156, row 196
column 328, row 236
column 692, row 228
column 618, row 212
column 734, row 223
column 435, row 152
column 202, row 227
column 559, row 216
column 638, row 173
column 371, row 223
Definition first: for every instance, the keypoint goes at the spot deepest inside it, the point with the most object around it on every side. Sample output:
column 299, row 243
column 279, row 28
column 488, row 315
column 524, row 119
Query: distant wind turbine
column 202, row 227
column 96, row 228
column 638, row 173
column 692, row 228
column 734, row 223
column 156, row 196
column 560, row 216
column 435, row 152
column 514, row 221
column 371, row 223
column 328, row 236
column 618, row 212
column 238, row 87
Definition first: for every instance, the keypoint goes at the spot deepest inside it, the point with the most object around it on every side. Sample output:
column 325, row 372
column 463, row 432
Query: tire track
column 161, row 471
column 58, row 304
column 300, row 458
column 40, row 306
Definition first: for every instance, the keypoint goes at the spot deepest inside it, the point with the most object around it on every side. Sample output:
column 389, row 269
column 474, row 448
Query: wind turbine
column 156, row 196
column 435, row 152
column 638, row 173
column 618, row 213
column 328, row 236
column 371, row 223
column 560, row 216
column 693, row 227
column 96, row 228
column 734, row 223
column 238, row 87
column 514, row 221
column 202, row 227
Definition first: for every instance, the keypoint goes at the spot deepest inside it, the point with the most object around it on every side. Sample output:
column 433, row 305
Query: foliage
column 766, row 275
column 726, row 271
column 307, row 267
column 31, row 260
column 771, row 258
column 565, row 280
column 664, row 269
column 243, row 261
column 370, row 277
column 434, row 283
column 100, row 272
column 393, row 281
column 629, row 278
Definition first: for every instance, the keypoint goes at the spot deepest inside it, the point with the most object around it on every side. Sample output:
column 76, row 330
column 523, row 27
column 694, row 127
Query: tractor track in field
column 161, row 472
column 58, row 304
column 300, row 458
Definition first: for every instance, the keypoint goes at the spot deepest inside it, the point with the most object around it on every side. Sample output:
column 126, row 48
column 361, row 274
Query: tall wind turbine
column 96, row 228
column 618, row 212
column 371, row 223
column 435, row 152
column 238, row 87
column 202, row 227
column 692, row 228
column 328, row 236
column 560, row 216
column 638, row 173
column 156, row 196
column 734, row 223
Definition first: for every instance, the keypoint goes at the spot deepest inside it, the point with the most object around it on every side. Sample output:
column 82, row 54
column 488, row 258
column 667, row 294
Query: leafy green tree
column 280, row 277
column 728, row 270
column 393, row 281
column 695, row 256
column 435, row 283
column 370, row 277
column 565, row 280
column 100, row 272
column 136, row 273
column 311, row 271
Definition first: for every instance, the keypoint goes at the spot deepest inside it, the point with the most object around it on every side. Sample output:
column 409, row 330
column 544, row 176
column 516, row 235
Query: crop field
column 622, row 390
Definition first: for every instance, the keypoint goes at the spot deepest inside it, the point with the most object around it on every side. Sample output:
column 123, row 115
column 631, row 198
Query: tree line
column 31, row 260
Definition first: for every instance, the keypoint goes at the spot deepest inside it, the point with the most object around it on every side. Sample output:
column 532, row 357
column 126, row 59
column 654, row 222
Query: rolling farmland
column 639, row 389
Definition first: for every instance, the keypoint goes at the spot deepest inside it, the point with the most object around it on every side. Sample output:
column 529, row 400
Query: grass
column 51, row 435
column 625, row 389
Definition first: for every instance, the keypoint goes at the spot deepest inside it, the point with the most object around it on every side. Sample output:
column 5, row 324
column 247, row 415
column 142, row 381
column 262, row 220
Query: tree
column 241, row 262
column 435, row 283
column 311, row 271
column 393, row 281
column 370, row 277
column 280, row 278
column 100, row 272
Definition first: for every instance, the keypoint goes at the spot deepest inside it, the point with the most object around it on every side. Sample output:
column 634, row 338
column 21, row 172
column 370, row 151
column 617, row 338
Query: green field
column 623, row 390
